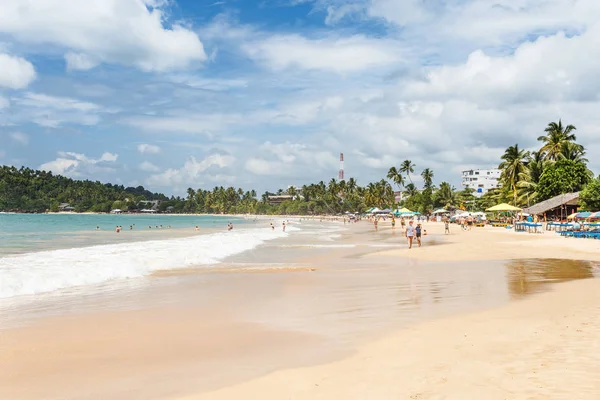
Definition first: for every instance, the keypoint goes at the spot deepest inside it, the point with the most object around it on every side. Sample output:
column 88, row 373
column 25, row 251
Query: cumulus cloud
column 128, row 32
column 17, row 72
column 20, row 138
column 532, row 73
column 145, row 148
column 78, row 165
column 193, row 172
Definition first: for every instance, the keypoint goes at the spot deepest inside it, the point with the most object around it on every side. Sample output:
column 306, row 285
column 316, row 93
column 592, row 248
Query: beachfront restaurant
column 557, row 208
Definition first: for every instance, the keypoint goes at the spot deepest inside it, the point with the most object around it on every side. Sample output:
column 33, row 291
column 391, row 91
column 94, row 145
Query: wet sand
column 304, row 317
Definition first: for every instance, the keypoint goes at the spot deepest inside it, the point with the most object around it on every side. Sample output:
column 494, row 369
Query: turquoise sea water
column 47, row 252
column 22, row 233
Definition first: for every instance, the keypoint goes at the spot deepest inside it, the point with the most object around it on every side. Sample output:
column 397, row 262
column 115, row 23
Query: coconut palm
column 529, row 179
column 408, row 168
column 411, row 190
column 396, row 176
column 427, row 176
column 446, row 196
column 574, row 152
column 555, row 138
column 514, row 163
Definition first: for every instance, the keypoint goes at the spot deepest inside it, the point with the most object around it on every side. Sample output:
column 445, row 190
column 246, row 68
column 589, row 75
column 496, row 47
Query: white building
column 481, row 180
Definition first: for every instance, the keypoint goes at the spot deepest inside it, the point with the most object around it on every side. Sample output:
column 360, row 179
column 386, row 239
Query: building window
column 477, row 173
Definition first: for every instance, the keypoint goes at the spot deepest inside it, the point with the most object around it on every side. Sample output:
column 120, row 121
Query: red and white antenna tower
column 341, row 174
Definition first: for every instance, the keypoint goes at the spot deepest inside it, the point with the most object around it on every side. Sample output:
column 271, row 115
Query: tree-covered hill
column 28, row 190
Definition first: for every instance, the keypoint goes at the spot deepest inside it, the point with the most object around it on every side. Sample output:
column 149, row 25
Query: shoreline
column 333, row 301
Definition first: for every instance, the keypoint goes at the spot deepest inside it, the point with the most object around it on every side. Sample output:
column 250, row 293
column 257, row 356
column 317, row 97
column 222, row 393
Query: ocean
column 41, row 253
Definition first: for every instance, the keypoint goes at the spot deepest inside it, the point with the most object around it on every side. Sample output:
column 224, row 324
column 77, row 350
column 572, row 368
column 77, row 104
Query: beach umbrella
column 583, row 214
column 404, row 210
column 440, row 211
column 572, row 216
column 595, row 215
column 503, row 207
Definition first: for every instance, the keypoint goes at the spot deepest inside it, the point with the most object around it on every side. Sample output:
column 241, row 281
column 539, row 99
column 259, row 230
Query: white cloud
column 259, row 166
column 54, row 111
column 148, row 167
column 4, row 103
column 209, row 84
column 288, row 159
column 533, row 72
column 20, row 138
column 337, row 54
column 145, row 148
column 79, row 61
column 60, row 103
column 193, row 172
column 77, row 165
column 16, row 72
column 128, row 32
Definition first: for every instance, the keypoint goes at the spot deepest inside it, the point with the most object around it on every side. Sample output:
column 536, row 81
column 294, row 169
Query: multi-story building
column 481, row 180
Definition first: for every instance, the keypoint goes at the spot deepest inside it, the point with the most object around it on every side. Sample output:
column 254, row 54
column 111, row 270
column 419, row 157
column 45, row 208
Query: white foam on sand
column 47, row 271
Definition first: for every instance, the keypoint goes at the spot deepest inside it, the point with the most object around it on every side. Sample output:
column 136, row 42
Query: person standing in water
column 410, row 233
column 284, row 226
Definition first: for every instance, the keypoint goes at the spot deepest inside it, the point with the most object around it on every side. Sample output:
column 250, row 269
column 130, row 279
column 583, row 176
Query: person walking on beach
column 410, row 233
column 284, row 226
column 418, row 234
column 446, row 227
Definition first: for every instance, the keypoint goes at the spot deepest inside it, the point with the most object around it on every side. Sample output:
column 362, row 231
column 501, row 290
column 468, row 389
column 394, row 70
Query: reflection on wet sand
column 530, row 276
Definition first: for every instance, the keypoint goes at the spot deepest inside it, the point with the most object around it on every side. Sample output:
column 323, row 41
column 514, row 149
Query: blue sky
column 265, row 94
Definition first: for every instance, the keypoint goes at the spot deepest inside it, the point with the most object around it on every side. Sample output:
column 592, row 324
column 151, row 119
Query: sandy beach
column 487, row 313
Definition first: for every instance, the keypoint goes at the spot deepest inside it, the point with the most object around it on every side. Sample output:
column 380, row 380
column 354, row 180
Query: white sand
column 544, row 347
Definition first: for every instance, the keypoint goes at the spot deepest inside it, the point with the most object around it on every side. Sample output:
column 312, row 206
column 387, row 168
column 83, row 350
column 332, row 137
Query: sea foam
column 46, row 271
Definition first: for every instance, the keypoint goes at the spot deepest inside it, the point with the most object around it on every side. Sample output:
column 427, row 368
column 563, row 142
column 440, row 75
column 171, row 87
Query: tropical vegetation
column 558, row 166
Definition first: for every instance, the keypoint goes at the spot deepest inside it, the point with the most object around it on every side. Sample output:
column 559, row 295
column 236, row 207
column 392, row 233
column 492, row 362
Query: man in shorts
column 410, row 233
column 418, row 234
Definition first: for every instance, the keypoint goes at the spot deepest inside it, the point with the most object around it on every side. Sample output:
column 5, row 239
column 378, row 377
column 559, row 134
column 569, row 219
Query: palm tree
column 529, row 179
column 555, row 138
column 427, row 176
column 514, row 163
column 446, row 196
column 292, row 192
column 396, row 176
column 408, row 168
column 574, row 152
column 411, row 190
